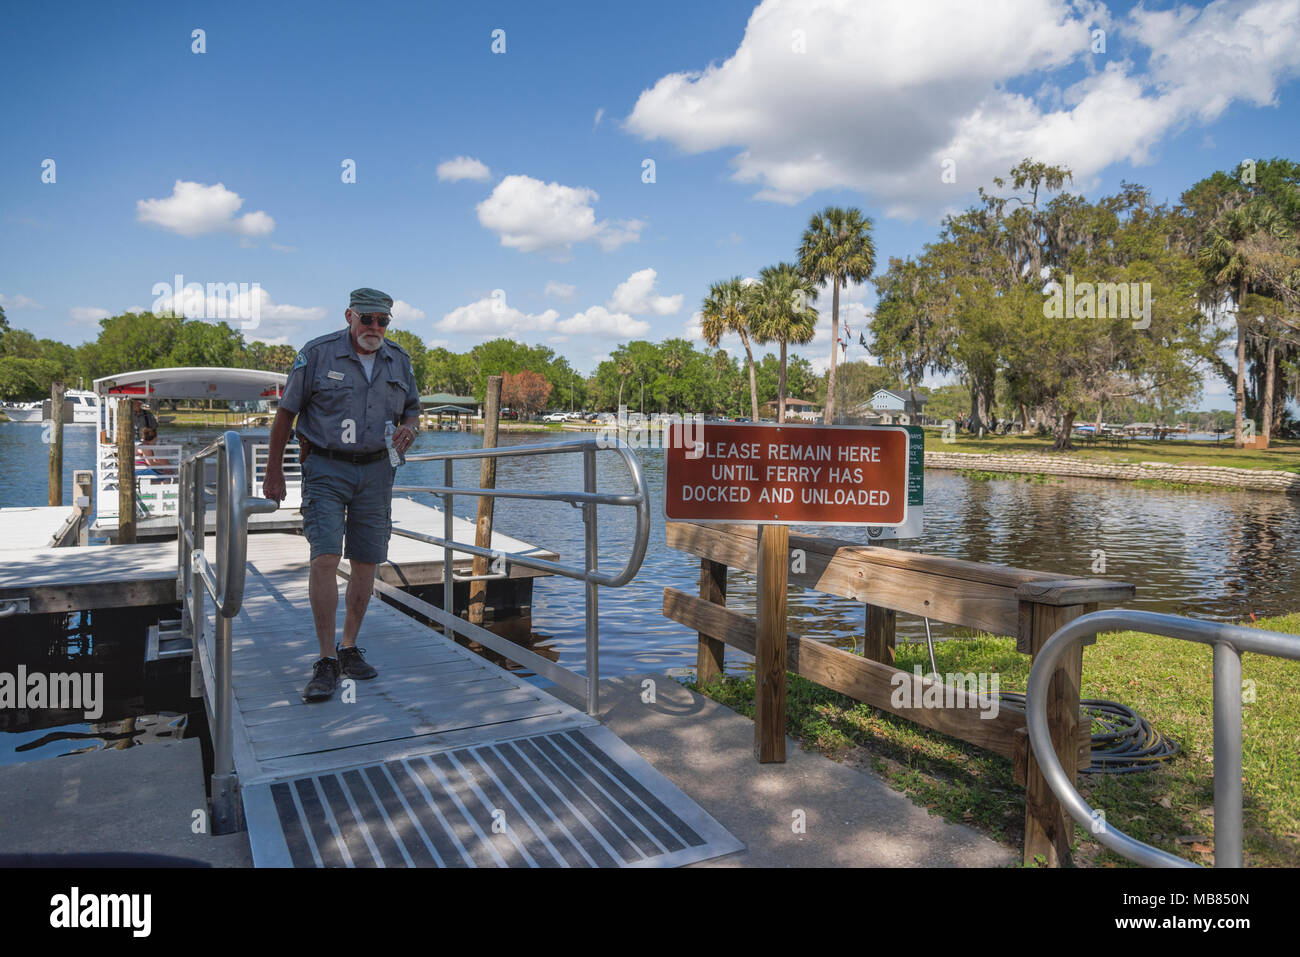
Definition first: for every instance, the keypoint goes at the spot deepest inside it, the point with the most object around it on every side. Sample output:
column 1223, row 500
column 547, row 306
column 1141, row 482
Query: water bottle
column 395, row 458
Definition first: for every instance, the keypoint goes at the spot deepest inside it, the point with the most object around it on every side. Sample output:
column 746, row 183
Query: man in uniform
column 347, row 389
column 142, row 418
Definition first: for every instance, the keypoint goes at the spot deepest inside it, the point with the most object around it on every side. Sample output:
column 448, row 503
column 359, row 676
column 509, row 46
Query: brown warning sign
column 787, row 474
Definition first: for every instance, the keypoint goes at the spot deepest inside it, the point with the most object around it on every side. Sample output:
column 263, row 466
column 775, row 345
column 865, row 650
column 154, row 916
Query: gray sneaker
column 324, row 679
column 353, row 665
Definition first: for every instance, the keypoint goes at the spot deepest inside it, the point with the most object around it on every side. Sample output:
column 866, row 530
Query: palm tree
column 836, row 248
column 727, row 309
column 782, row 314
column 625, row 368
column 1227, row 262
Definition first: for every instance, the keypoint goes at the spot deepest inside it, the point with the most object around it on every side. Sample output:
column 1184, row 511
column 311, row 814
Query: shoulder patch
column 299, row 361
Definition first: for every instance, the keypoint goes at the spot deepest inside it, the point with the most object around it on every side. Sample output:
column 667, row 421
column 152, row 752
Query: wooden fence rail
column 1027, row 605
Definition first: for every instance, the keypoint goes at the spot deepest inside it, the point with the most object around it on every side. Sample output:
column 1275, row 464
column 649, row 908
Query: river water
column 1214, row 555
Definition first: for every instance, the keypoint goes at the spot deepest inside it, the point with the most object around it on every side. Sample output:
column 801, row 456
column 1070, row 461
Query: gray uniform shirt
column 336, row 407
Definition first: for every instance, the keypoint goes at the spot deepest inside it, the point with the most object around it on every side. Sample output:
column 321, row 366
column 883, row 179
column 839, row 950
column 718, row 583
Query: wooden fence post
column 709, row 659
column 878, row 643
column 769, row 658
column 1046, row 607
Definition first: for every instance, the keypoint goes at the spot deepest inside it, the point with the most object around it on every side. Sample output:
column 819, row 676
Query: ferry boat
column 157, row 474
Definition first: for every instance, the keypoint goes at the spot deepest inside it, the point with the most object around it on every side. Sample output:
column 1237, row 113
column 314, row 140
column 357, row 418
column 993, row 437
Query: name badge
column 334, row 375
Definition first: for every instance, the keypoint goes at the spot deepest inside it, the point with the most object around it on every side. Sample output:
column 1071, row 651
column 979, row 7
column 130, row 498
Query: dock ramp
column 443, row 760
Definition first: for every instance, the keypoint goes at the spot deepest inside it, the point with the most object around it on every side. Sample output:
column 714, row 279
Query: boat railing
column 292, row 467
column 224, row 583
column 588, row 572
column 1228, row 642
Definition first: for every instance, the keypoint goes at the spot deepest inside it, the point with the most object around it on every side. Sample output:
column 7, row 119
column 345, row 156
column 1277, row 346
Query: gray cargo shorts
column 339, row 497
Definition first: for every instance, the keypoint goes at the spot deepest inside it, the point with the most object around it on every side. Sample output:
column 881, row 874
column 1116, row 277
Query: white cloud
column 250, row 310
column 284, row 249
column 530, row 215
column 560, row 290
column 463, row 167
column 194, row 209
column 404, row 312
column 19, row 302
column 634, row 295
column 492, row 316
column 87, row 314
column 600, row 114
column 598, row 319
column 887, row 91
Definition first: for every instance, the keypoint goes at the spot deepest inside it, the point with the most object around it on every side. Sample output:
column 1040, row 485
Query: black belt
column 356, row 458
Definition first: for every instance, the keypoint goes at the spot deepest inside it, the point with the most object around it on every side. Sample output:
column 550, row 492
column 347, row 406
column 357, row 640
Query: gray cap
column 366, row 301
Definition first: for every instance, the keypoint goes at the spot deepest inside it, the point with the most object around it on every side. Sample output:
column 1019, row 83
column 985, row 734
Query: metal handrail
column 225, row 584
column 589, row 573
column 1228, row 642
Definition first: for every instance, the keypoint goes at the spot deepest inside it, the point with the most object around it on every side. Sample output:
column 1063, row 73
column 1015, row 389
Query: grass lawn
column 1166, row 681
column 1283, row 455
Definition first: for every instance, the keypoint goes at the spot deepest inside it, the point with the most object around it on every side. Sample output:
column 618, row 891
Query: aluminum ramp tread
column 569, row 798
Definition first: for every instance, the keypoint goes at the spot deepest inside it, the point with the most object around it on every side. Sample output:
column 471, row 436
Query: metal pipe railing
column 1228, row 642
column 224, row 582
column 589, row 573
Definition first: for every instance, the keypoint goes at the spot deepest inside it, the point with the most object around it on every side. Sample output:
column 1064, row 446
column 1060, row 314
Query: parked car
column 556, row 417
column 509, row 413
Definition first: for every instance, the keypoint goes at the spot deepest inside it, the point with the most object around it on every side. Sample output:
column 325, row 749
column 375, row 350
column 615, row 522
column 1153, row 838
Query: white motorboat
column 82, row 405
column 22, row 411
column 78, row 409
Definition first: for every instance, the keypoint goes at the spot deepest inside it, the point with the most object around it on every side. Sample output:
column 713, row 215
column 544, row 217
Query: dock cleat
column 324, row 679
column 353, row 665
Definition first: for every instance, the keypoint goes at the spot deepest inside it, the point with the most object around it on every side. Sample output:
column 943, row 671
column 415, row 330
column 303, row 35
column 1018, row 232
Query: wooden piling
column 487, row 478
column 56, row 444
column 125, row 473
column 769, row 660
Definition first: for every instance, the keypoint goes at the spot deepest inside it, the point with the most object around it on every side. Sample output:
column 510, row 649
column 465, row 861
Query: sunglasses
column 371, row 319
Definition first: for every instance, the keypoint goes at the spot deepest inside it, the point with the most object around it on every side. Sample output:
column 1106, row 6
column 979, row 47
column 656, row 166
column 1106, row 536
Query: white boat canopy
column 194, row 383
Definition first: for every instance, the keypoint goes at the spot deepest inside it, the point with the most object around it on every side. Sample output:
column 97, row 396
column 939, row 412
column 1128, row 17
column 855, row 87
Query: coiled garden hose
column 1126, row 743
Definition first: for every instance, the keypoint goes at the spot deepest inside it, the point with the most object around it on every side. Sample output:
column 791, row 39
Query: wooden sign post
column 776, row 476
column 769, row 657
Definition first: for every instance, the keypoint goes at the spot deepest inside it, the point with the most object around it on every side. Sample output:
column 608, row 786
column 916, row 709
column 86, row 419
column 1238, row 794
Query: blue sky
column 555, row 238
